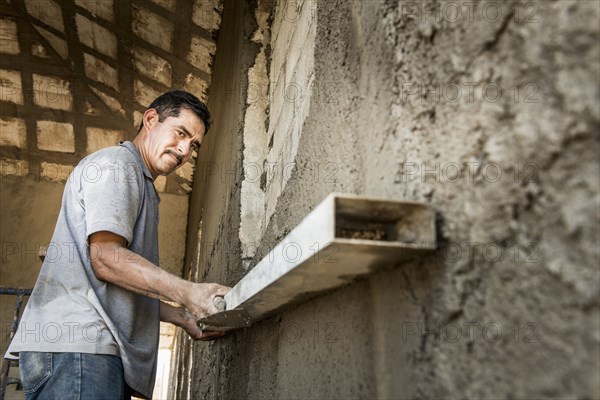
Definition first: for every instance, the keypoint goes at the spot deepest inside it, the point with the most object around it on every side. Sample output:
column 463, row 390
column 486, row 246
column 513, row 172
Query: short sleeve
column 112, row 195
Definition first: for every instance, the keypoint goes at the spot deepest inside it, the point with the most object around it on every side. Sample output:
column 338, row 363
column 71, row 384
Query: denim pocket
column 35, row 369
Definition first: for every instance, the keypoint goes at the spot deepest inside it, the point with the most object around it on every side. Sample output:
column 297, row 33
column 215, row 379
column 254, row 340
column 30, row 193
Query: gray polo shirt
column 70, row 310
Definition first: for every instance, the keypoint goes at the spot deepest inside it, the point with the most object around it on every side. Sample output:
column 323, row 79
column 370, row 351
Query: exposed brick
column 152, row 28
column 143, row 93
column 152, row 66
column 197, row 86
column 100, row 8
column 100, row 138
column 13, row 132
column 13, row 167
column 95, row 36
column 282, row 32
column 303, row 71
column 207, row 14
column 52, row 92
column 9, row 43
column 252, row 217
column 100, row 71
column 55, row 136
column 201, row 53
column 277, row 99
column 302, row 42
column 137, row 119
column 10, row 86
column 47, row 11
column 292, row 68
column 56, row 172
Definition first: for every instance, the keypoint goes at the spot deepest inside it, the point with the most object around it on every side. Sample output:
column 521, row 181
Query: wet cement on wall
column 213, row 249
column 508, row 306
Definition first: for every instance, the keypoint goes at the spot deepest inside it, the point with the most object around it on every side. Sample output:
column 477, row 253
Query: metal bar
column 15, row 323
column 14, row 291
column 5, row 380
column 343, row 239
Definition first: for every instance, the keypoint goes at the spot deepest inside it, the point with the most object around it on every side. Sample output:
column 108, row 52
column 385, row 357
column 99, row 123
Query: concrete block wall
column 63, row 64
column 291, row 74
column 487, row 111
column 281, row 83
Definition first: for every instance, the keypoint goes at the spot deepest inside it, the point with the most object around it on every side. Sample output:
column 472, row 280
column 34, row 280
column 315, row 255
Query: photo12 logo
column 454, row 12
column 471, row 331
column 469, row 92
column 466, row 172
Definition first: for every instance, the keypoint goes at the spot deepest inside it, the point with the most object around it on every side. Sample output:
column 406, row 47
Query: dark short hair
column 169, row 104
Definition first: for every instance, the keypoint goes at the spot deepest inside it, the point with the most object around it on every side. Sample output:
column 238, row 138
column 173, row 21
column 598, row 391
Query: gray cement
column 508, row 306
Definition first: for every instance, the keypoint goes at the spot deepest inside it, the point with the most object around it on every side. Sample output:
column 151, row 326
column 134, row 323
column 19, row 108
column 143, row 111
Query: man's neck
column 138, row 142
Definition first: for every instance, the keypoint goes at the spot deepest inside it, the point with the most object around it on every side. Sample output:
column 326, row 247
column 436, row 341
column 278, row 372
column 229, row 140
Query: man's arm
column 113, row 262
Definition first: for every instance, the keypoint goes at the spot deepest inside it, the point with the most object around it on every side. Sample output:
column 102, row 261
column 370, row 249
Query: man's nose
column 184, row 148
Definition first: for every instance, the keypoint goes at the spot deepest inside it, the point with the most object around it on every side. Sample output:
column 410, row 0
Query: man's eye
column 180, row 134
column 195, row 147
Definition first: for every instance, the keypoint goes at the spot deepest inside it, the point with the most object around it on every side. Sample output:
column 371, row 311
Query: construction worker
column 91, row 327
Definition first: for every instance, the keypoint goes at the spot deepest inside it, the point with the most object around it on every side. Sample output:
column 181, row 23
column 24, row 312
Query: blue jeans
column 71, row 376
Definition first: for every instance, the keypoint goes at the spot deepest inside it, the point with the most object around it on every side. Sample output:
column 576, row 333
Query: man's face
column 171, row 142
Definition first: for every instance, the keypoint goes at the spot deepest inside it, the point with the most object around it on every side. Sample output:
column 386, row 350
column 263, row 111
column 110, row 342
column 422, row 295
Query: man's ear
column 150, row 118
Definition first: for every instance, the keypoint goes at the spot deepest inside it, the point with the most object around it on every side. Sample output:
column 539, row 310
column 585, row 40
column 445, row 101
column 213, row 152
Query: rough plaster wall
column 508, row 305
column 213, row 248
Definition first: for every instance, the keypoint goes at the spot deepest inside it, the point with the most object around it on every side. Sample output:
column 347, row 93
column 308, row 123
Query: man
column 91, row 327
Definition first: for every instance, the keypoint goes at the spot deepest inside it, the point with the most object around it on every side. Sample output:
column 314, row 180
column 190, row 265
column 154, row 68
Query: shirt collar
column 131, row 147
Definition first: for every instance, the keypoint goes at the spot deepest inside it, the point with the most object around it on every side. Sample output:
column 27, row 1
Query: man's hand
column 199, row 298
column 113, row 262
column 187, row 321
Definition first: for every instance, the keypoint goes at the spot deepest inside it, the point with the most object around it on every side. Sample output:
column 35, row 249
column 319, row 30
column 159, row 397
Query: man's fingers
column 204, row 332
column 211, row 335
column 202, row 304
column 221, row 290
column 224, row 290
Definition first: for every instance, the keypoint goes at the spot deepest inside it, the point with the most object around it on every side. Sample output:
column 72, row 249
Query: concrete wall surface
column 486, row 110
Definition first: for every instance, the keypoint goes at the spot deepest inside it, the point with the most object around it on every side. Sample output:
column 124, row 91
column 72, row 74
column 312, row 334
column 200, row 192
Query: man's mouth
column 177, row 157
